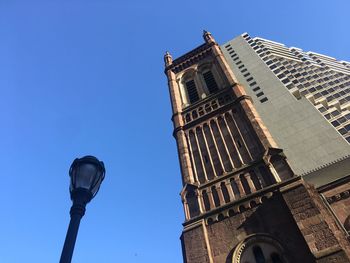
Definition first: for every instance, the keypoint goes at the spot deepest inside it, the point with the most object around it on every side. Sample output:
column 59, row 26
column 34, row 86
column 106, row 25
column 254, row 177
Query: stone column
column 200, row 154
column 230, row 191
column 184, row 157
column 250, row 182
column 220, row 194
column 187, row 211
column 208, row 151
column 224, row 142
column 211, row 199
column 216, row 147
column 241, row 137
column 195, row 176
column 233, row 139
column 200, row 202
column 273, row 172
column 239, row 185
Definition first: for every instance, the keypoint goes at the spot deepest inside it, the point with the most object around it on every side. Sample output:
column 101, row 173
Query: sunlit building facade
column 266, row 177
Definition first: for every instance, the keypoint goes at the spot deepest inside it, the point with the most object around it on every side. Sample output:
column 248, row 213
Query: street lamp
column 86, row 175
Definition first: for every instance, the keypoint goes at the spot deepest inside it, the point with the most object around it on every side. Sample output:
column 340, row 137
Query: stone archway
column 259, row 248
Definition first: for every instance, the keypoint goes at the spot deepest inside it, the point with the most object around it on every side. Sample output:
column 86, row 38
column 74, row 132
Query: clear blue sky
column 85, row 77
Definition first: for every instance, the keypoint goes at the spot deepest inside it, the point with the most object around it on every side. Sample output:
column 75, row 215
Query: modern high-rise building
column 302, row 97
column 245, row 197
column 323, row 80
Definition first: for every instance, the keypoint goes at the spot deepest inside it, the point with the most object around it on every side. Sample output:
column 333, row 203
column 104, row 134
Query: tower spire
column 168, row 59
column 208, row 38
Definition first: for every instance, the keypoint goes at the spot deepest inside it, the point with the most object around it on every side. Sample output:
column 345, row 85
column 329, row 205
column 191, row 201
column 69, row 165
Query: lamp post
column 86, row 175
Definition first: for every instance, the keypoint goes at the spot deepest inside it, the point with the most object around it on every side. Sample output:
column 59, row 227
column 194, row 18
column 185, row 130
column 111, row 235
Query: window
column 342, row 131
column 322, row 109
column 260, row 248
column 256, row 89
column 258, row 255
column 289, row 86
column 342, row 119
column 335, row 123
column 210, row 81
column 275, row 258
column 335, row 113
column 192, row 91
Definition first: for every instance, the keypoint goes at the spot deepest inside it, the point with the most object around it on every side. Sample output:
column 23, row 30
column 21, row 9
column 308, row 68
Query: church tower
column 242, row 201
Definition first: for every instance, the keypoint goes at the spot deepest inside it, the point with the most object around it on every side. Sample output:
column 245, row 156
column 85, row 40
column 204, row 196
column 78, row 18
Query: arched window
column 206, row 200
column 259, row 248
column 215, row 196
column 225, row 192
column 192, row 91
column 210, row 81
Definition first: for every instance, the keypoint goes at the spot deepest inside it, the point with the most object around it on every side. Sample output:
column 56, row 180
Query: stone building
column 242, row 199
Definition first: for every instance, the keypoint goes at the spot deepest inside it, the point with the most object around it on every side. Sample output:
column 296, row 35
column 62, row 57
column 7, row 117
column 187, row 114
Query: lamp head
column 86, row 175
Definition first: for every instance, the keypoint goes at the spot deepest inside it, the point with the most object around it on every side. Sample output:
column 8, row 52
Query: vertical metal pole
column 77, row 211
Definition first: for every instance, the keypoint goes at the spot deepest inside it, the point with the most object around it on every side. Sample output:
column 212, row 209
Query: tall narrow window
column 215, row 196
column 206, row 200
column 258, row 255
column 276, row 258
column 210, row 82
column 192, row 91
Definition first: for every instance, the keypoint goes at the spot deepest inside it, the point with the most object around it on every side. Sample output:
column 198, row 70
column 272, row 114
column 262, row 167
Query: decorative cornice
column 190, row 58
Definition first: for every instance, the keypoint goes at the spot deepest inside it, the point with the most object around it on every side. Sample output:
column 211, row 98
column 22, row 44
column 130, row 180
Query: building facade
column 323, row 80
column 242, row 199
column 303, row 101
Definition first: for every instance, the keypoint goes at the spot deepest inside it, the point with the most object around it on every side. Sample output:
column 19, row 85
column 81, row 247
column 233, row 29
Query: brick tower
column 241, row 199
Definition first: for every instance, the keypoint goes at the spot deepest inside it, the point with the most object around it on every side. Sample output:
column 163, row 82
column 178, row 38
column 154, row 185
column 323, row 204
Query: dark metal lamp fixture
column 86, row 175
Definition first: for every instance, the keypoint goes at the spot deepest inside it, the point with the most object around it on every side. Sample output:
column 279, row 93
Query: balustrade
column 218, row 102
